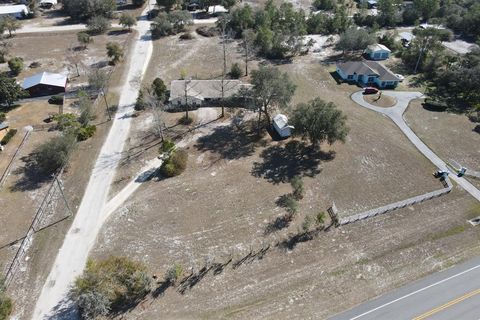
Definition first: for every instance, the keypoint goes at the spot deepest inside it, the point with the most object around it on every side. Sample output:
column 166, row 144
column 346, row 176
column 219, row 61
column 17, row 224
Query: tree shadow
column 279, row 223
column 231, row 142
column 477, row 129
column 280, row 164
column 30, row 176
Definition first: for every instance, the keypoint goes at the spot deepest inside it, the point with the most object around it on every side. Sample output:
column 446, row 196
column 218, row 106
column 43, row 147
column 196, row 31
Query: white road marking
column 415, row 292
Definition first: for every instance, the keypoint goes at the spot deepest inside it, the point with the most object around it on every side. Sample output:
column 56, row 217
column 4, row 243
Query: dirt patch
column 380, row 100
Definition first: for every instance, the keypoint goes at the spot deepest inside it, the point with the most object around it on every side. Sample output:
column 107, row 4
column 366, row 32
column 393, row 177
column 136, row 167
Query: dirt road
column 73, row 254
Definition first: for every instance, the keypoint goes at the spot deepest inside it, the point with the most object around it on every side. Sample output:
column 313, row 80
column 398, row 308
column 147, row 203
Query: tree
column 84, row 39
column 114, row 52
column 235, row 71
column 424, row 52
column 271, row 88
column 298, row 189
column 138, row 3
column 85, row 106
column 127, row 21
column 98, row 81
column 355, row 39
column 173, row 273
column 170, row 23
column 324, row 4
column 55, row 153
column 10, row 24
column 427, row 8
column 98, row 25
column 16, row 65
column 319, row 121
column 4, row 49
column 248, row 45
column 109, row 285
column 86, row 9
column 10, row 91
column 167, row 4
column 74, row 58
column 159, row 89
column 389, row 14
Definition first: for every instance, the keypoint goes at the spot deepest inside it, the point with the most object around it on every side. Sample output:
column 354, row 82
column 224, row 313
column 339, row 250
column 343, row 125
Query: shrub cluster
column 167, row 145
column 110, row 285
column 86, row 132
column 56, row 100
column 6, row 139
column 54, row 154
column 6, row 304
column 175, row 164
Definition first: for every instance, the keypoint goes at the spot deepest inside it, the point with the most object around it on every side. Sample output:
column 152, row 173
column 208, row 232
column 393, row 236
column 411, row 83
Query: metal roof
column 3, row 125
column 47, row 78
column 280, row 120
column 377, row 47
column 19, row 8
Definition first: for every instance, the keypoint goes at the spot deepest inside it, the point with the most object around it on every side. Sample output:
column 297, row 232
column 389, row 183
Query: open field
column 223, row 203
column 450, row 135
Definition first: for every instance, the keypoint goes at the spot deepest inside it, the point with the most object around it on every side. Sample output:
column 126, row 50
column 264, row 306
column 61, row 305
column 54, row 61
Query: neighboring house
column 18, row 11
column 377, row 52
column 367, row 73
column 280, row 123
column 198, row 93
column 3, row 130
column 218, row 9
column 406, row 38
column 45, row 83
column 47, row 4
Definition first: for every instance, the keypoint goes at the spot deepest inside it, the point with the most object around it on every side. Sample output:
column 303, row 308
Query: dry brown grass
column 382, row 101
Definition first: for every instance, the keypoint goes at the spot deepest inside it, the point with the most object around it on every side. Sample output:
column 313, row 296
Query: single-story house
column 198, row 93
column 377, row 52
column 367, row 73
column 18, row 11
column 218, row 9
column 45, row 83
column 47, row 3
column 280, row 123
column 3, row 129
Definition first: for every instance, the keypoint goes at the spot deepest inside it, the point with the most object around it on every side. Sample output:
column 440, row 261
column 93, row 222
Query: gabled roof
column 205, row 89
column 377, row 47
column 406, row 36
column 281, row 121
column 19, row 8
column 367, row 68
column 47, row 78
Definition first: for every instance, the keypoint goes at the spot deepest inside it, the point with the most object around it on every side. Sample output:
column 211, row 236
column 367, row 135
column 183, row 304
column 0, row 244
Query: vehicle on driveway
column 400, row 77
column 370, row 90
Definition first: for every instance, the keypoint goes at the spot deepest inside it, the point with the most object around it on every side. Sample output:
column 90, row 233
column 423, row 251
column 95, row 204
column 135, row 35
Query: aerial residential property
column 191, row 159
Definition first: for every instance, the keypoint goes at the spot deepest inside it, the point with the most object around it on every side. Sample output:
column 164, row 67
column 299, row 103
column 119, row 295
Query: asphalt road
column 453, row 294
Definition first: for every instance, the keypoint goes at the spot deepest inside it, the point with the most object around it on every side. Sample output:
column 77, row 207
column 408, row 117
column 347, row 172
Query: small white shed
column 378, row 52
column 280, row 123
column 16, row 11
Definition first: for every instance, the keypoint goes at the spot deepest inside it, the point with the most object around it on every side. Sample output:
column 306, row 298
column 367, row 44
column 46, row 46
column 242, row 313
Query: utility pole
column 420, row 55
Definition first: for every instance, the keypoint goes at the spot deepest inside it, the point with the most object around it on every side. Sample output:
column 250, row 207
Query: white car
column 400, row 77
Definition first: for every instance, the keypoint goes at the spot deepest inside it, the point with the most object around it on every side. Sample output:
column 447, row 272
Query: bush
column 175, row 165
column 185, row 121
column 3, row 117
column 186, row 36
column 86, row 132
column 235, row 71
column 54, row 154
column 435, row 105
column 173, row 273
column 98, row 25
column 291, row 205
column 56, row 100
column 6, row 139
column 6, row 304
column 66, row 121
column 298, row 189
column 110, row 285
column 15, row 65
column 167, row 145
column 140, row 104
column 208, row 31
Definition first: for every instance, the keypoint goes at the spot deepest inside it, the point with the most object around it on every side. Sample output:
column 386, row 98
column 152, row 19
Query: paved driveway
column 395, row 113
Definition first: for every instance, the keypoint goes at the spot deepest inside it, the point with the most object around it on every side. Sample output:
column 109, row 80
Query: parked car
column 400, row 77
column 370, row 90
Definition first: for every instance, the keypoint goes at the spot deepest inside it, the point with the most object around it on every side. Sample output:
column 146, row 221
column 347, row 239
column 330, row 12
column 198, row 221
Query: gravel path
column 395, row 113
column 53, row 302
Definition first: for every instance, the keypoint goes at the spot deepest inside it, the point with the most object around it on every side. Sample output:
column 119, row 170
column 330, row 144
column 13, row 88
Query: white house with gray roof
column 18, row 11
column 367, row 73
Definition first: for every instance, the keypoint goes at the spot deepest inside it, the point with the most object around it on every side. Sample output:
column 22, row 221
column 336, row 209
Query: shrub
column 6, row 139
column 173, row 273
column 66, row 121
column 35, row 64
column 291, row 205
column 235, row 71
column 56, row 100
column 175, row 165
column 297, row 185
column 185, row 121
column 114, row 52
column 98, row 25
column 86, row 132
column 15, row 65
column 186, row 36
column 110, row 285
column 435, row 105
column 6, row 304
column 140, row 104
column 3, row 117
column 208, row 31
column 167, row 145
column 54, row 154
column 84, row 39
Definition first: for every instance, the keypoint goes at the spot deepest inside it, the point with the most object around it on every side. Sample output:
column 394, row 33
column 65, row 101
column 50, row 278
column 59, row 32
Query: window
column 371, row 79
column 383, row 84
column 350, row 77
